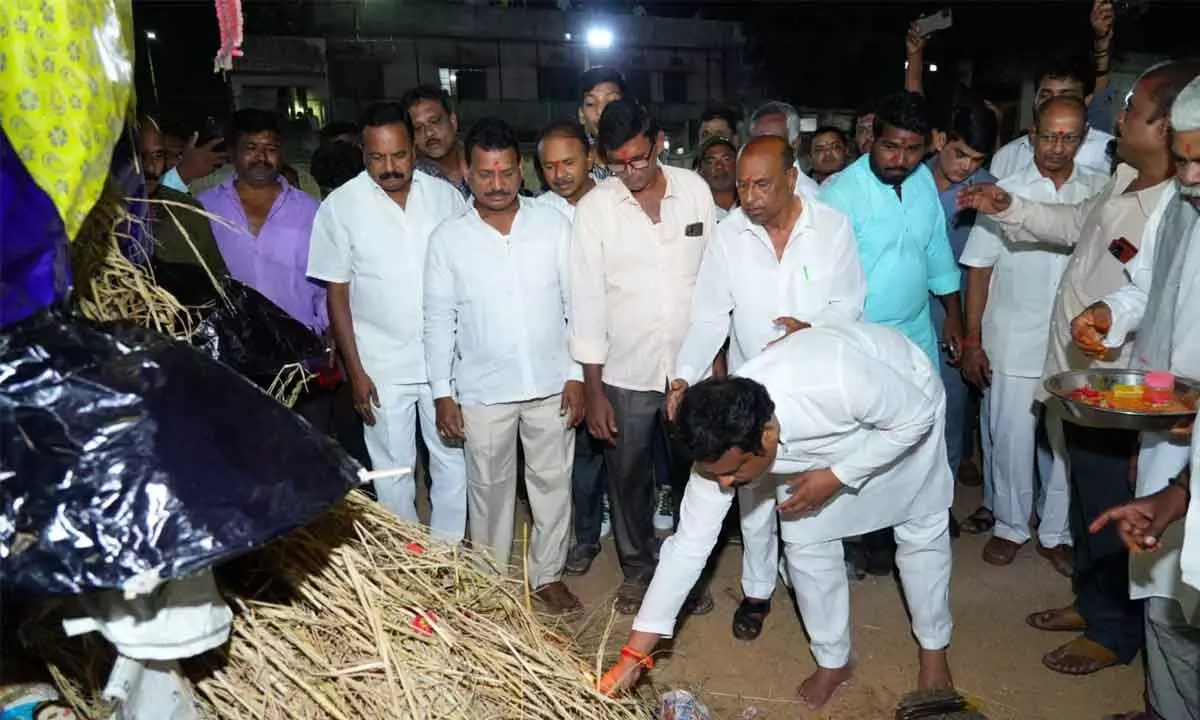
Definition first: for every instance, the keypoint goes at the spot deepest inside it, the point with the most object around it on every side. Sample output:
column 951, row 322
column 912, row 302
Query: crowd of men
column 810, row 328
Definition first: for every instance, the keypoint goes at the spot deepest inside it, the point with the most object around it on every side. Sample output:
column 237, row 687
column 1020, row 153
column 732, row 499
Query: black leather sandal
column 748, row 618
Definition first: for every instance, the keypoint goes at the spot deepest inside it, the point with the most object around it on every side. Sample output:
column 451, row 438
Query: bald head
column 1061, row 126
column 769, row 146
column 766, row 179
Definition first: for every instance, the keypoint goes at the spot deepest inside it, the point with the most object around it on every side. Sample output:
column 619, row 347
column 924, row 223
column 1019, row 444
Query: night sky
column 819, row 54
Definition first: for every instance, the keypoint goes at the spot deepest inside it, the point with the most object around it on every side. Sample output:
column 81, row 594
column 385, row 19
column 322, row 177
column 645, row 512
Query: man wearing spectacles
column 1010, row 295
column 637, row 243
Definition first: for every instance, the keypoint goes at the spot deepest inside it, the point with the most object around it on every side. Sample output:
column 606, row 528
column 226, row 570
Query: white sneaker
column 605, row 517
column 664, row 519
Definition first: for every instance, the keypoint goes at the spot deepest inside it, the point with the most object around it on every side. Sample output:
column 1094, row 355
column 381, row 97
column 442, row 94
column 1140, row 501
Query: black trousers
column 1100, row 462
column 587, row 487
column 332, row 412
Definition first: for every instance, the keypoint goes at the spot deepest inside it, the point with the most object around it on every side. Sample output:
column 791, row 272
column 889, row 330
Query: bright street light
column 567, row 37
column 933, row 67
column 599, row 38
column 151, row 35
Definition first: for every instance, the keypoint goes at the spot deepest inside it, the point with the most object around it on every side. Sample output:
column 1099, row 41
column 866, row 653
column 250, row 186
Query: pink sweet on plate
column 1160, row 386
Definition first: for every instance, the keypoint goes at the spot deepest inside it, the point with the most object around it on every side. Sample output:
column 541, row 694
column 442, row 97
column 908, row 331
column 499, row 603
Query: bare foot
column 935, row 671
column 817, row 688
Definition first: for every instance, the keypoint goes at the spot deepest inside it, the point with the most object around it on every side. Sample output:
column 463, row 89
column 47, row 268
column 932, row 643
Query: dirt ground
column 995, row 656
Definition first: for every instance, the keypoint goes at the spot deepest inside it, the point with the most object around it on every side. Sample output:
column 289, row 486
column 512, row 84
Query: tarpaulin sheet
column 125, row 454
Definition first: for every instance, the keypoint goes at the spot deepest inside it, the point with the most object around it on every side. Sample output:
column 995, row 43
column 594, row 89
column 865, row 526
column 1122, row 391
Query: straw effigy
column 360, row 615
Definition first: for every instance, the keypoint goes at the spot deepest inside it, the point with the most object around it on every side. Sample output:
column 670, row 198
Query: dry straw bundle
column 378, row 622
column 359, row 616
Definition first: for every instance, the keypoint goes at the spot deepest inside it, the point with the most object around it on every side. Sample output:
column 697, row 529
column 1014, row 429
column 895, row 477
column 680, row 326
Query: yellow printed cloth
column 66, row 79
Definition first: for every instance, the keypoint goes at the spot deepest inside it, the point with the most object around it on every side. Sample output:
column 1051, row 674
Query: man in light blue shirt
column 892, row 201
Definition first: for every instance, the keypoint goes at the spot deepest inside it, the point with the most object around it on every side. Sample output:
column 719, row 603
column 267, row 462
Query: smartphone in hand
column 929, row 24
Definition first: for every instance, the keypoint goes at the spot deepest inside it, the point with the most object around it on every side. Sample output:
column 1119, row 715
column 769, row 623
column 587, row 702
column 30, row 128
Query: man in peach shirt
column 636, row 247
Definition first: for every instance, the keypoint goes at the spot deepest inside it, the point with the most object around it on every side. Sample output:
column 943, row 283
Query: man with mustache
column 369, row 244
column 266, row 222
column 181, row 237
column 715, row 162
column 843, row 424
column 1107, row 233
column 899, row 225
column 779, row 264
column 435, row 134
column 1010, row 293
column 496, row 282
column 564, row 156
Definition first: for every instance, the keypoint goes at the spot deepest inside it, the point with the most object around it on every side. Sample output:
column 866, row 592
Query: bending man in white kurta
column 846, row 422
column 781, row 262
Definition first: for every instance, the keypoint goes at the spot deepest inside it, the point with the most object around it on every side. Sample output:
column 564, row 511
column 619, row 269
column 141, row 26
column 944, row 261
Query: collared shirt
column 553, row 200
column 431, row 168
column 1025, row 277
column 902, row 244
column 1017, row 155
column 496, row 307
column 743, row 286
column 959, row 222
column 274, row 261
column 859, row 399
column 632, row 280
column 806, row 186
column 1091, row 228
column 362, row 237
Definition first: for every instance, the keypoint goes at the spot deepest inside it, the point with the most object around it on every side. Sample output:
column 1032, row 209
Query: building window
column 464, row 83
column 558, row 84
column 674, row 87
column 639, row 84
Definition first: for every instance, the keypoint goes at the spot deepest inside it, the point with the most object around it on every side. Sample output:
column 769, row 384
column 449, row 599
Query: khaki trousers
column 492, row 432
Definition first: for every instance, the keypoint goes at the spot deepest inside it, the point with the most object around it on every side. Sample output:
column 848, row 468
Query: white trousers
column 760, row 539
column 818, row 574
column 492, row 432
column 1018, row 460
column 392, row 443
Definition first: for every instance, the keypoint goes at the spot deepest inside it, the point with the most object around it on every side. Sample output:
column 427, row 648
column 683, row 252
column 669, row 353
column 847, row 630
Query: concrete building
column 326, row 61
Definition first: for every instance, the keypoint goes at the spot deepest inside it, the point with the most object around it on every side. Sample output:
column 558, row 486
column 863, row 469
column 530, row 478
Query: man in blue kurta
column 893, row 205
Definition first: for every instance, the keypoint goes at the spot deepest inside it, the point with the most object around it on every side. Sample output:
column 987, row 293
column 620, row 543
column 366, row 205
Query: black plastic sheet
column 244, row 330
column 123, row 452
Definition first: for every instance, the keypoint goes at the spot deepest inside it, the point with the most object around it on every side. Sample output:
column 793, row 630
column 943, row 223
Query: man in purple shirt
column 267, row 222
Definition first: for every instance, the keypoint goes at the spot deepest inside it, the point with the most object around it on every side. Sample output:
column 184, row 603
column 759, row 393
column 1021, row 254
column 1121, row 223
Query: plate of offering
column 1126, row 399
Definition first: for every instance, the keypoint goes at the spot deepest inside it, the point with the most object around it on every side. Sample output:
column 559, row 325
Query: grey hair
column 1185, row 112
column 777, row 107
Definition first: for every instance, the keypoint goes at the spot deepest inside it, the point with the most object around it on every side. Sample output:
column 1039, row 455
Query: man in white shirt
column 1059, row 78
column 496, row 342
column 782, row 120
column 1010, row 293
column 564, row 156
column 1162, row 304
column 780, row 263
column 1108, row 232
column 844, row 424
column 368, row 243
column 635, row 250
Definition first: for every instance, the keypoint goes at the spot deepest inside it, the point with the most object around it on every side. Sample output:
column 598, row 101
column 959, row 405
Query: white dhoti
column 1013, row 418
column 392, row 443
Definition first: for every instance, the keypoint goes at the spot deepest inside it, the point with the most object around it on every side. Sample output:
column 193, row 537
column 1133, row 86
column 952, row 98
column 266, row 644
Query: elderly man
column 781, row 263
column 1162, row 304
column 1108, row 233
column 844, row 425
column 1010, row 293
column 781, row 120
